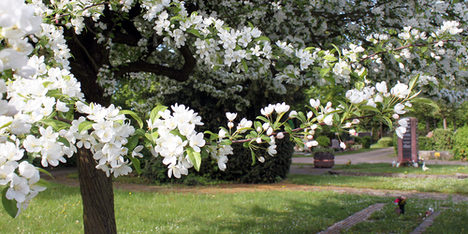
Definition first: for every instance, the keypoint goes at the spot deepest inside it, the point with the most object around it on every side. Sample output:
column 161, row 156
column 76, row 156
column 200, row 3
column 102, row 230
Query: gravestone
column 408, row 146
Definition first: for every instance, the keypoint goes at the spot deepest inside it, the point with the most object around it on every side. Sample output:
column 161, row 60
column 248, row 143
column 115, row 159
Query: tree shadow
column 295, row 216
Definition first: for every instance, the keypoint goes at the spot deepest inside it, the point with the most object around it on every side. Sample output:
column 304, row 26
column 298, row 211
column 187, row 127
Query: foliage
column 384, row 142
column 75, row 54
column 274, row 169
column 365, row 141
column 460, row 143
column 443, row 139
column 323, row 141
column 426, row 143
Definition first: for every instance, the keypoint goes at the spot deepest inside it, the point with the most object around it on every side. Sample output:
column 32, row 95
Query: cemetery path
column 384, row 155
column 60, row 176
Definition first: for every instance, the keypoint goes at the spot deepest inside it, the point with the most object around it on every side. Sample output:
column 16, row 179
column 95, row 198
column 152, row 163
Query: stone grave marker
column 408, row 146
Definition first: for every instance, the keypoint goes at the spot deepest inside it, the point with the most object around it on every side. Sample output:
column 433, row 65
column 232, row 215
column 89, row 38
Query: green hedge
column 323, row 141
column 385, row 142
column 426, row 143
column 460, row 143
column 239, row 167
column 365, row 141
column 443, row 139
column 274, row 169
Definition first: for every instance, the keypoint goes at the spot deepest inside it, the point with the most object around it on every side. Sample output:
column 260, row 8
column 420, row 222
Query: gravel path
column 384, row 155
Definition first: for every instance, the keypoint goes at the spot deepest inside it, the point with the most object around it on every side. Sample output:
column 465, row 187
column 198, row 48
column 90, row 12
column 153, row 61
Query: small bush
column 385, row 142
column 274, row 169
column 323, row 141
column 443, row 139
column 239, row 167
column 365, row 141
column 425, row 143
column 460, row 143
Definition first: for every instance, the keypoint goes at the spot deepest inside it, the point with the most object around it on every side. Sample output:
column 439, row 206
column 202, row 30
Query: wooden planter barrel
column 324, row 160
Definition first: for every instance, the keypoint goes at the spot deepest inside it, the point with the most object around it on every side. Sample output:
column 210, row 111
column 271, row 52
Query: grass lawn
column 387, row 168
column 444, row 185
column 451, row 220
column 337, row 153
column 58, row 209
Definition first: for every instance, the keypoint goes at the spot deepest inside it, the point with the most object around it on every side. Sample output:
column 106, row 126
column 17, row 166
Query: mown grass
column 337, row 153
column 444, row 185
column 451, row 220
column 387, row 168
column 58, row 210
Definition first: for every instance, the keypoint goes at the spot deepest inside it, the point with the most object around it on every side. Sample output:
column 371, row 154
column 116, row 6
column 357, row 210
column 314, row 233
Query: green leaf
column 195, row 158
column 262, row 119
column 359, row 85
column 132, row 143
column 140, row 132
column 244, row 65
column 370, row 108
column 6, row 125
column 324, row 71
column 412, row 82
column 150, row 137
column 9, row 205
column 330, row 58
column 387, row 121
column 423, row 49
column 64, row 141
column 301, row 117
column 194, row 32
column 85, row 126
column 136, row 164
column 262, row 38
column 155, row 112
column 257, row 124
column 47, row 83
column 134, row 116
column 42, row 170
column 57, row 125
column 54, row 93
column 253, row 156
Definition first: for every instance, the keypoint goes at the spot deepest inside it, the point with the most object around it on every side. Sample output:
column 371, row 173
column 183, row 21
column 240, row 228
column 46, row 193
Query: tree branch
column 175, row 74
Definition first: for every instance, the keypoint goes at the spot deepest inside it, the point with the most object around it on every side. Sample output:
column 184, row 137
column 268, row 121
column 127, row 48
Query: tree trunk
column 444, row 122
column 97, row 195
column 96, row 188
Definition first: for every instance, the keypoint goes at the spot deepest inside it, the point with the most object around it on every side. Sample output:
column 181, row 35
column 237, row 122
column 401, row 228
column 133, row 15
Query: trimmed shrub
column 323, row 141
column 443, row 139
column 239, row 167
column 385, row 142
column 460, row 143
column 365, row 141
column 426, row 143
column 274, row 169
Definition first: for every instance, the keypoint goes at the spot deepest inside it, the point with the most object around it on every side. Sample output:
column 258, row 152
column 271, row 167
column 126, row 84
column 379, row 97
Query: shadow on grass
column 296, row 216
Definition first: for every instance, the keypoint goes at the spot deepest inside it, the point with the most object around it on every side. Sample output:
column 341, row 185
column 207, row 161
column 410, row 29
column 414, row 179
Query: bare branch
column 175, row 74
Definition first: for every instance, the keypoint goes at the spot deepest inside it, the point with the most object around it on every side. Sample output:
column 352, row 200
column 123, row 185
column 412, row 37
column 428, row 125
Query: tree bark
column 97, row 195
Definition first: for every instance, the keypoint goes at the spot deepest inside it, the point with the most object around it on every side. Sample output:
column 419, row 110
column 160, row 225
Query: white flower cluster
column 14, row 26
column 177, row 138
column 402, row 127
column 107, row 141
column 21, row 178
column 450, row 27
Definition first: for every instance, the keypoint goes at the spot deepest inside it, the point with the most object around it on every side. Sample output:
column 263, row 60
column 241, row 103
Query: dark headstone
column 408, row 146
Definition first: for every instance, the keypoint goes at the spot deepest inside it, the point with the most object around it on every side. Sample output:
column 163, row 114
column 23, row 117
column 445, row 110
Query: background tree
column 137, row 41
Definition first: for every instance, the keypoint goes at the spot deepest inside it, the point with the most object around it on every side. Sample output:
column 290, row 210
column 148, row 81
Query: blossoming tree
column 61, row 60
